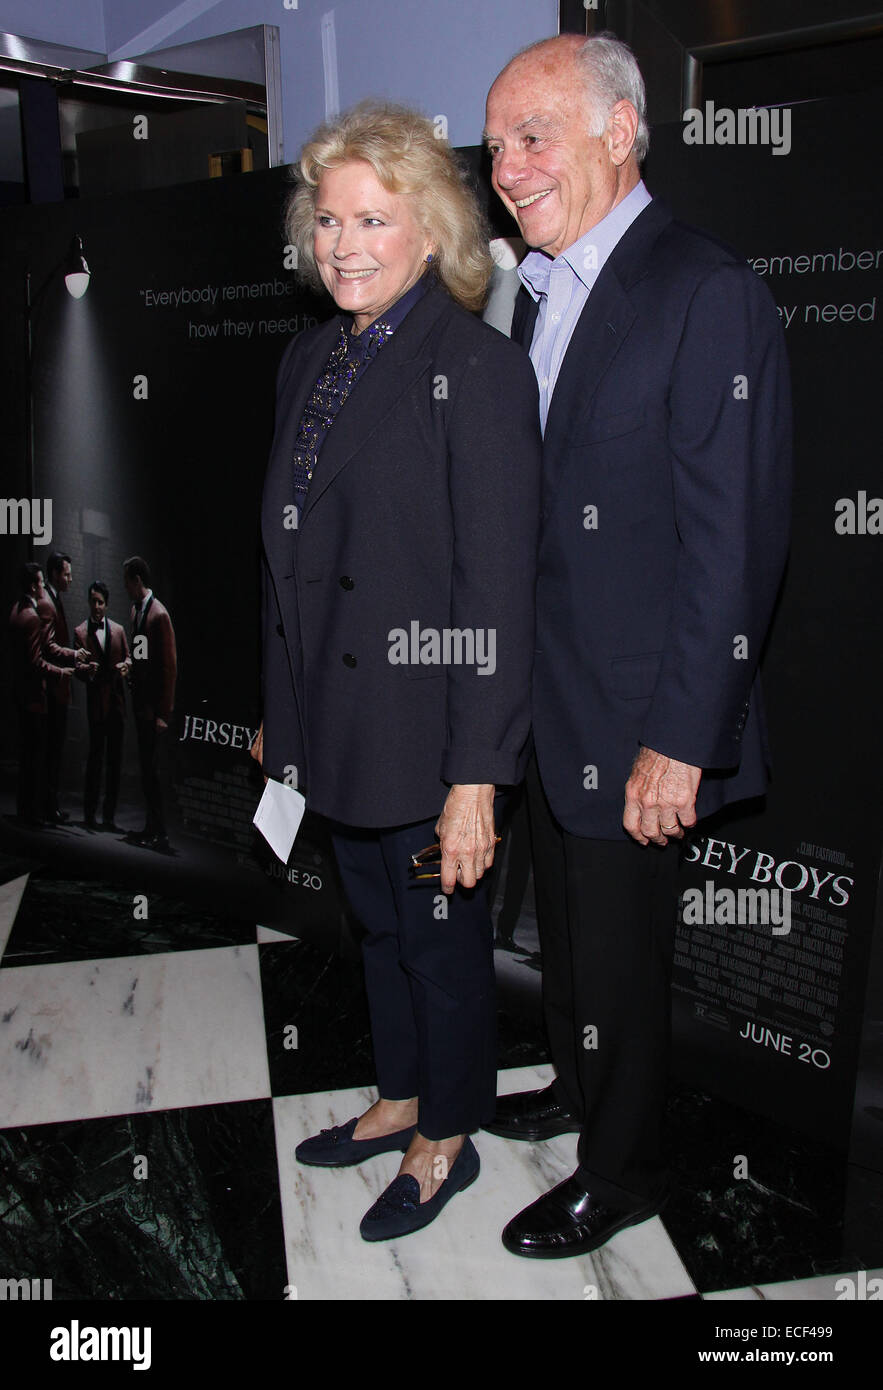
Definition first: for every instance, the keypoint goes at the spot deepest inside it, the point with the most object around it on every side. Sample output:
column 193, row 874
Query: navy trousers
column 104, row 734
column 429, row 978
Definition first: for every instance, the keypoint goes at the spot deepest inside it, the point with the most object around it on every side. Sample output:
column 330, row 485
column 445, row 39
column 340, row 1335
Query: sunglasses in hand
column 420, row 862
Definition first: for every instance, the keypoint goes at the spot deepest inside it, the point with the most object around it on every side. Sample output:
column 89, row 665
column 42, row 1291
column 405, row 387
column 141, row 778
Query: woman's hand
column 465, row 831
column 256, row 750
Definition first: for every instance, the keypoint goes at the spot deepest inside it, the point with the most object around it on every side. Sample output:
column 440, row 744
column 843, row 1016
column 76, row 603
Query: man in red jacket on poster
column 30, row 673
column 57, row 647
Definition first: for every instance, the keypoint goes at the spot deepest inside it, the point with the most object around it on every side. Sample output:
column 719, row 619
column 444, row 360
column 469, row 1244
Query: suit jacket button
column 349, row 659
column 280, row 629
column 346, row 583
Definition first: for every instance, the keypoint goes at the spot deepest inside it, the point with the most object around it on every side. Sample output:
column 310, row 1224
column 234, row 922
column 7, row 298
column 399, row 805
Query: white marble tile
column 460, row 1255
column 858, row 1286
column 117, row 1036
column 268, row 934
column 10, row 897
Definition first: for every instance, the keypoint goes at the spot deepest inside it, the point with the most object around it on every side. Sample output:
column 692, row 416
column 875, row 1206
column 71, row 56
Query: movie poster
column 153, row 401
column 778, row 900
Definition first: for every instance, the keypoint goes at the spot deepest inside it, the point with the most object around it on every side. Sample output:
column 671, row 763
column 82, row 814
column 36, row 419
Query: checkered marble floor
column 151, row 1098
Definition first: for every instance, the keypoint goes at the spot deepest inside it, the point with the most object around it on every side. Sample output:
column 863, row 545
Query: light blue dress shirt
column 562, row 286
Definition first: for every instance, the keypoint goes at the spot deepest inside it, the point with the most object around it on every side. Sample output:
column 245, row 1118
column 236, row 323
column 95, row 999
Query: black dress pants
column 606, row 913
column 56, row 732
column 104, row 735
column 429, row 978
column 31, row 794
column 148, row 758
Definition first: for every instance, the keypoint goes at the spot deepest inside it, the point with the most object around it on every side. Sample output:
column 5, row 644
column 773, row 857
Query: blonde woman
column 398, row 618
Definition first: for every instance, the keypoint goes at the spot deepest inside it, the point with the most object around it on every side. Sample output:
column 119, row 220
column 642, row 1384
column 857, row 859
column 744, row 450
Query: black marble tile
column 323, row 997
column 205, row 1223
column 863, row 1219
column 66, row 919
column 15, row 865
column 784, row 1220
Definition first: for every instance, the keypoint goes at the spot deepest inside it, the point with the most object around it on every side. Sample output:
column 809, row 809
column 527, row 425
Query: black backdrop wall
column 153, row 415
column 775, row 1019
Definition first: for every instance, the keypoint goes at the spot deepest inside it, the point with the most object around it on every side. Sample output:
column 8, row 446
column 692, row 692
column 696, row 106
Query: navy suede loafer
column 336, row 1147
column 398, row 1210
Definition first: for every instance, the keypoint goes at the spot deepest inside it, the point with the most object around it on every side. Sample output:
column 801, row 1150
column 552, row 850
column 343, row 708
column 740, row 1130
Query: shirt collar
column 535, row 270
column 393, row 316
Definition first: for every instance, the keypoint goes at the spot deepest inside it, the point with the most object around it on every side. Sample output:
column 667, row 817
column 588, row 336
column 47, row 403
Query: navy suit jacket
column 423, row 508
column 671, row 417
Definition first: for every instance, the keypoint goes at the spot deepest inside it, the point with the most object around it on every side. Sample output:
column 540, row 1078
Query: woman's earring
column 429, row 258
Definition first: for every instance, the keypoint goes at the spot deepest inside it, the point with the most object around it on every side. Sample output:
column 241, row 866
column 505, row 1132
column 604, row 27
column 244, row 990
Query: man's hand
column 465, row 831
column 82, row 656
column 660, row 798
column 161, row 725
column 124, row 667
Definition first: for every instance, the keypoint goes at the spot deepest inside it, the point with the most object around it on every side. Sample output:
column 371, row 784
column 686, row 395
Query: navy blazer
column 671, row 417
column 423, row 508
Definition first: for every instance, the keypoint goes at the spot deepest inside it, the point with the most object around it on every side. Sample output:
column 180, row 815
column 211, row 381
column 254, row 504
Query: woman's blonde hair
column 408, row 158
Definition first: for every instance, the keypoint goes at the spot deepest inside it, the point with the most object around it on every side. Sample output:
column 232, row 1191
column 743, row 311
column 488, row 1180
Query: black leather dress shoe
column 568, row 1221
column 531, row 1115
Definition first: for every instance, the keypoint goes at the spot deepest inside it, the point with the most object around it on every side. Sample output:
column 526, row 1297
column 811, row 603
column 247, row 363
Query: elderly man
column 665, row 408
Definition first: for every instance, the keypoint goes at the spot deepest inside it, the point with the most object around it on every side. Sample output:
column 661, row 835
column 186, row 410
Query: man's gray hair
column 610, row 73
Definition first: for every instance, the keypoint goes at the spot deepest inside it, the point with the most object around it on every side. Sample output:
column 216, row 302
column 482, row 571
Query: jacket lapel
column 399, row 363
column 278, row 493
column 602, row 327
